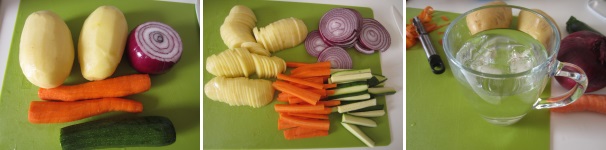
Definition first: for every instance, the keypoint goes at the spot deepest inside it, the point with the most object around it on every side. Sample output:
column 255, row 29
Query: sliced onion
column 374, row 36
column 154, row 48
column 340, row 25
column 314, row 43
column 338, row 57
column 363, row 49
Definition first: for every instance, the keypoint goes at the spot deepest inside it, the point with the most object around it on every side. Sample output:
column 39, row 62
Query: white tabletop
column 585, row 130
column 391, row 60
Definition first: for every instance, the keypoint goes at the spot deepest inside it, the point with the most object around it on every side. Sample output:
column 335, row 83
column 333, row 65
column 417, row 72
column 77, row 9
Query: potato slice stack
column 239, row 62
column 282, row 34
column 250, row 92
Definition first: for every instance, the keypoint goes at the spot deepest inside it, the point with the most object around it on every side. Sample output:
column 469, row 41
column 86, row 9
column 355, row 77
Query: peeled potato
column 535, row 26
column 46, row 50
column 282, row 34
column 255, row 48
column 489, row 18
column 240, row 91
column 236, row 27
column 239, row 62
column 102, row 42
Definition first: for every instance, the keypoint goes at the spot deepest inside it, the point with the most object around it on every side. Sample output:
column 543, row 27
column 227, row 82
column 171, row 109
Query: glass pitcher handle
column 570, row 71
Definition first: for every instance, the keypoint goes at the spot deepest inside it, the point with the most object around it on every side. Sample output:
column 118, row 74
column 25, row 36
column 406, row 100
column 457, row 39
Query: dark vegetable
column 314, row 43
column 340, row 26
column 129, row 132
column 574, row 25
column 338, row 57
column 154, row 48
column 587, row 50
column 373, row 35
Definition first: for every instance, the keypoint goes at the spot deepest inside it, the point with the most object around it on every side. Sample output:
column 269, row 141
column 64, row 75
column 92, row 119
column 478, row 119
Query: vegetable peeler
column 435, row 62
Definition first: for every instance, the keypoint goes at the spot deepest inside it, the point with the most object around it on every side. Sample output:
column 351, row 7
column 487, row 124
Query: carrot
column 294, row 100
column 329, row 86
column 330, row 103
column 307, row 123
column 324, row 64
column 307, row 96
column 58, row 112
column 315, row 79
column 113, row 87
column 330, row 92
column 444, row 18
column 297, row 108
column 284, row 125
column 300, row 81
column 318, row 91
column 587, row 102
column 318, row 72
column 283, row 97
column 310, row 116
column 301, row 132
column 295, row 64
column 440, row 33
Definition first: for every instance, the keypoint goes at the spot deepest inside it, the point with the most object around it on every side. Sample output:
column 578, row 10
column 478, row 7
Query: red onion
column 314, row 43
column 374, row 36
column 363, row 49
column 340, row 25
column 338, row 57
column 587, row 50
column 154, row 48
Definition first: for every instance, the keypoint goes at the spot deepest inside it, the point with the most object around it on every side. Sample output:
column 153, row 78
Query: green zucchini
column 574, row 25
column 110, row 133
column 371, row 108
column 381, row 91
column 350, row 72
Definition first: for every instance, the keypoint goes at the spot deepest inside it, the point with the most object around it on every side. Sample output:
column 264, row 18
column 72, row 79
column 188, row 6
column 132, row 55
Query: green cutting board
column 238, row 127
column 439, row 117
column 174, row 95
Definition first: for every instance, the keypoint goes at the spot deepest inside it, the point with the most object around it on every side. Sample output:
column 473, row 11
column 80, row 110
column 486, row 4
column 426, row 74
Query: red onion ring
column 154, row 47
column 314, row 44
column 340, row 25
column 338, row 57
column 363, row 49
column 374, row 36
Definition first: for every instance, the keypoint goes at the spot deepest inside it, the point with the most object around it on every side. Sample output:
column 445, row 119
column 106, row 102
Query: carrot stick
column 300, row 81
column 330, row 103
column 329, row 86
column 587, row 102
column 307, row 123
column 311, row 73
column 318, row 91
column 297, row 108
column 444, row 18
column 301, row 132
column 319, row 80
column 310, row 116
column 284, row 125
column 325, row 111
column 307, row 96
column 283, row 97
column 330, row 92
column 294, row 100
column 58, row 112
column 113, row 87
column 295, row 64
column 324, row 64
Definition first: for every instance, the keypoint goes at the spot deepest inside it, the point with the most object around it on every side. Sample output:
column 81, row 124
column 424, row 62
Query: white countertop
column 585, row 130
column 391, row 60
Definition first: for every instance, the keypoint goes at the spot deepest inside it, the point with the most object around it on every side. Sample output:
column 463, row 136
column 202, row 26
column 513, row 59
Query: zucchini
column 356, row 97
column 344, row 85
column 351, row 77
column 351, row 89
column 372, row 82
column 372, row 113
column 371, row 108
column 380, row 84
column 353, row 129
column 574, row 25
column 356, row 106
column 345, row 95
column 337, row 70
column 380, row 78
column 358, row 121
column 381, row 91
column 350, row 72
column 129, row 132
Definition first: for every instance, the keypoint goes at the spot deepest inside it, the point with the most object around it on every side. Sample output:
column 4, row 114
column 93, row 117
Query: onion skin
column 146, row 64
column 588, row 51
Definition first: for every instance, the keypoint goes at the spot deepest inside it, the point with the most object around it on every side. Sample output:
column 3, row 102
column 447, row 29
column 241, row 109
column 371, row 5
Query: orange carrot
column 444, row 18
column 324, row 64
column 318, row 91
column 284, row 125
column 295, row 64
column 307, row 123
column 315, row 79
column 300, row 81
column 310, row 116
column 294, row 100
column 329, row 86
column 325, row 111
column 311, row 73
column 297, row 108
column 58, row 112
column 283, row 97
column 113, row 87
column 301, row 132
column 330, row 92
column 307, row 96
column 330, row 103
column 587, row 102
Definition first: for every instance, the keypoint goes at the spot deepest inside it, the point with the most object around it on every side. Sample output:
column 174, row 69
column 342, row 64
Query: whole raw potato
column 46, row 50
column 489, row 18
column 102, row 42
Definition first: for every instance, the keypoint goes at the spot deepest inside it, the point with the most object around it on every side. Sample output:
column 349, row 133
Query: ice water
column 513, row 55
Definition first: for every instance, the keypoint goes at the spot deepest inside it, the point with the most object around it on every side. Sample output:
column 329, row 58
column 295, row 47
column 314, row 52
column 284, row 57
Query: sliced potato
column 282, row 34
column 236, row 28
column 489, row 18
column 240, row 91
column 46, row 49
column 256, row 48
